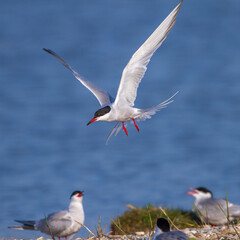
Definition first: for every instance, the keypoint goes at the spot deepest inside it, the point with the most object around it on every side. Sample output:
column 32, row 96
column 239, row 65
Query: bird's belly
column 122, row 115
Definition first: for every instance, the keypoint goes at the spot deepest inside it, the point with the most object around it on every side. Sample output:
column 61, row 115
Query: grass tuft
column 49, row 228
column 143, row 219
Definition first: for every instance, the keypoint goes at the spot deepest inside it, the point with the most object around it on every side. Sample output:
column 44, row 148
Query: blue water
column 46, row 149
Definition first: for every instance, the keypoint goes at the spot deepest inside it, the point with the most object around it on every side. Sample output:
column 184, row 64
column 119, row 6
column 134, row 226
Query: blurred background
column 46, row 149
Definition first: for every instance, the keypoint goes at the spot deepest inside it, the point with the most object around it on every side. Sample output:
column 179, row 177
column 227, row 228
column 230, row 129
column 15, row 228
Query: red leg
column 124, row 128
column 66, row 238
column 135, row 124
column 59, row 238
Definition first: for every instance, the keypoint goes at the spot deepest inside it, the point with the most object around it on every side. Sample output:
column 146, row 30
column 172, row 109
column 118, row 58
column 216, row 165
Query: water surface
column 46, row 149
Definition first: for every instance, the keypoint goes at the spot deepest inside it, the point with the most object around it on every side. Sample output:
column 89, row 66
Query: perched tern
column 213, row 211
column 121, row 108
column 163, row 232
column 59, row 224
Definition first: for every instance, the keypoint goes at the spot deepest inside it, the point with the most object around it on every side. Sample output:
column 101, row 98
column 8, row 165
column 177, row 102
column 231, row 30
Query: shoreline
column 207, row 232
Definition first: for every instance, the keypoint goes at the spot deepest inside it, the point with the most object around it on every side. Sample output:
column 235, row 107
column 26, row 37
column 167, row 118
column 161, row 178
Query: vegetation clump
column 137, row 219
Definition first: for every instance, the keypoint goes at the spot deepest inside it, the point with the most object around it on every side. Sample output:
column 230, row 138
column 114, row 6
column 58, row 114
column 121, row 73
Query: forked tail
column 143, row 114
column 148, row 112
column 26, row 225
column 115, row 131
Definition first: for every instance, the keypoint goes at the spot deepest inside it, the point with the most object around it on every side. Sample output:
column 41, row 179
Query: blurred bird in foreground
column 163, row 232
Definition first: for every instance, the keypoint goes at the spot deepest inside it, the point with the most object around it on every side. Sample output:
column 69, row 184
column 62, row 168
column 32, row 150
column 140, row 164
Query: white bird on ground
column 121, row 108
column 213, row 211
column 59, row 224
column 163, row 232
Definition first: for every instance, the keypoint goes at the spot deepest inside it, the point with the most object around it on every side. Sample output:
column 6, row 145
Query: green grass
column 143, row 219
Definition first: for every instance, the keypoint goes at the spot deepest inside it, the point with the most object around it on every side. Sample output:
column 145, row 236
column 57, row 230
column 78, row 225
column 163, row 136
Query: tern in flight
column 121, row 108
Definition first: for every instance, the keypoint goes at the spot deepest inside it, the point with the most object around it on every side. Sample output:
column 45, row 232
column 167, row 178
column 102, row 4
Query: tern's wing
column 174, row 235
column 226, row 206
column 234, row 209
column 102, row 96
column 57, row 222
column 137, row 66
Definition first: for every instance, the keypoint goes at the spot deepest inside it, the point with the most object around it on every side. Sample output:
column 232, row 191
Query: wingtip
column 47, row 50
column 180, row 3
column 179, row 6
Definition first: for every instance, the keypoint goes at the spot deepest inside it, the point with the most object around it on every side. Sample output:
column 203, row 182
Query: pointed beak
column 93, row 120
column 194, row 191
column 82, row 193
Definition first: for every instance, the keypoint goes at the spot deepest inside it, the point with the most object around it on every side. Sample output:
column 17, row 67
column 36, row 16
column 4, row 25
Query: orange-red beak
column 194, row 191
column 93, row 120
column 80, row 194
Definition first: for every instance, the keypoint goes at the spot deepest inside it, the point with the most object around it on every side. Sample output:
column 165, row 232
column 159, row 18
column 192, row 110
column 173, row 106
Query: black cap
column 203, row 189
column 163, row 224
column 76, row 192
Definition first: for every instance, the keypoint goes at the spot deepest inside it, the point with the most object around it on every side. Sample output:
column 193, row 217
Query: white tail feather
column 114, row 131
column 148, row 112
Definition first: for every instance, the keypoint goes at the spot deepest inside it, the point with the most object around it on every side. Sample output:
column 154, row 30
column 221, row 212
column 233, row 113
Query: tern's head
column 200, row 193
column 77, row 196
column 163, row 225
column 100, row 114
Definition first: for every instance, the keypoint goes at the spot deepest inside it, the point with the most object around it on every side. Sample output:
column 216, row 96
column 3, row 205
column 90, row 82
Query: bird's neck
column 157, row 232
column 76, row 209
column 202, row 199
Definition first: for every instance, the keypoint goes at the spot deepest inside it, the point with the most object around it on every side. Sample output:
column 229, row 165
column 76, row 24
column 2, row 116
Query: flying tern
column 121, row 108
column 213, row 211
column 163, row 232
column 59, row 224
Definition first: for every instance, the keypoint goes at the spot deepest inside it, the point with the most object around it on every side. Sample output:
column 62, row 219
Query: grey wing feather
column 26, row 225
column 102, row 96
column 174, row 235
column 29, row 222
column 234, row 209
column 58, row 215
column 55, row 223
column 137, row 66
column 214, row 211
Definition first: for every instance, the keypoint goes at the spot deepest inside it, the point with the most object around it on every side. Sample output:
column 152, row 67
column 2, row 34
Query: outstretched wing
column 102, row 96
column 137, row 66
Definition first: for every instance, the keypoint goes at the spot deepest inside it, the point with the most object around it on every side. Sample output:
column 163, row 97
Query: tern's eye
column 102, row 112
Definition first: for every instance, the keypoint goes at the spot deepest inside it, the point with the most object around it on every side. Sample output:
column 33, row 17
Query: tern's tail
column 148, row 112
column 26, row 225
column 115, row 131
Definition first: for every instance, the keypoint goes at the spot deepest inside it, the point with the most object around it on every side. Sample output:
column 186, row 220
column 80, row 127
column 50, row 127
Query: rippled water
column 46, row 150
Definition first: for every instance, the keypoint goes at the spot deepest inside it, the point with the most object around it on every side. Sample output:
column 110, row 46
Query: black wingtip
column 47, row 50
